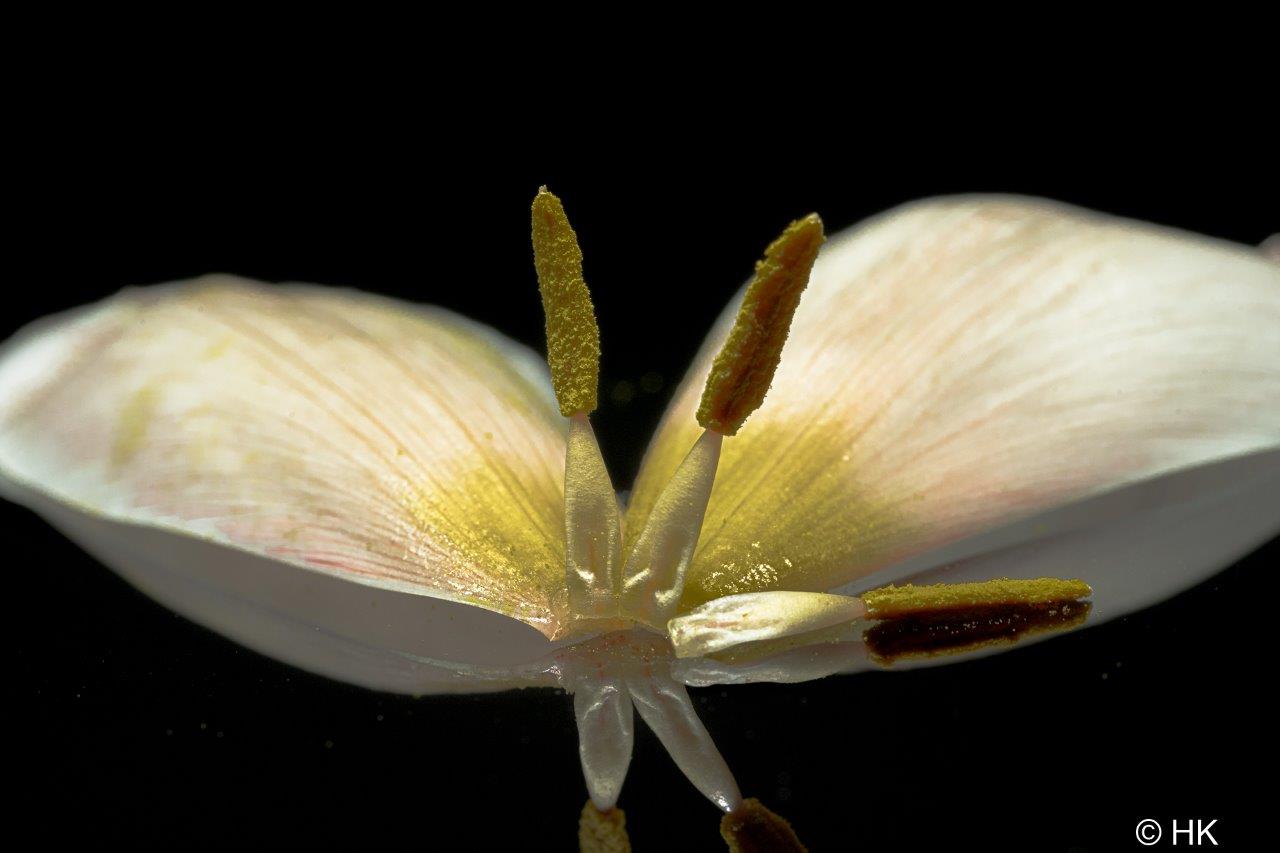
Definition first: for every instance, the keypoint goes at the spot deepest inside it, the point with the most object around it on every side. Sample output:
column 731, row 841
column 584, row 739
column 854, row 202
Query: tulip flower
column 964, row 424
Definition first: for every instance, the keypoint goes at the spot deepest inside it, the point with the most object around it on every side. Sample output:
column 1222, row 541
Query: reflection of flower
column 973, row 388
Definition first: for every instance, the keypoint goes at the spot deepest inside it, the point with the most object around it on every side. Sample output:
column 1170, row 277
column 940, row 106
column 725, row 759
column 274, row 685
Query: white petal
column 377, row 638
column 1271, row 247
column 1172, row 533
column 1135, row 547
column 406, row 464
column 963, row 364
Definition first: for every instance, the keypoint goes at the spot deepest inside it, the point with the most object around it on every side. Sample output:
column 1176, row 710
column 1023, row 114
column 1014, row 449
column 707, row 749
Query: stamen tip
column 893, row 602
column 744, row 368
column 602, row 831
column 949, row 619
column 573, row 338
column 752, row 828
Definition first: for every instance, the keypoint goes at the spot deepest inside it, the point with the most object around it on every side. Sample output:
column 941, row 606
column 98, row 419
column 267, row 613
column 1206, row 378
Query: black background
column 130, row 724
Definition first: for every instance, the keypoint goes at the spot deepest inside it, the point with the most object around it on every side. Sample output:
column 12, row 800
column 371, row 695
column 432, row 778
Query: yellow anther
column 573, row 338
column 896, row 602
column 744, row 367
column 602, row 832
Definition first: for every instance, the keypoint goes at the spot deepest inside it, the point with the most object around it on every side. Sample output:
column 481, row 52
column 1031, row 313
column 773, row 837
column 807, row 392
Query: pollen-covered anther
column 955, row 632
column 894, row 602
column 743, row 369
column 949, row 619
column 602, row 831
column 573, row 338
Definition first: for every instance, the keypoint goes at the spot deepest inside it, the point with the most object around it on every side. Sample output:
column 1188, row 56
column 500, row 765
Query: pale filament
column 666, row 708
column 653, row 579
column 647, row 589
column 593, row 527
column 602, row 707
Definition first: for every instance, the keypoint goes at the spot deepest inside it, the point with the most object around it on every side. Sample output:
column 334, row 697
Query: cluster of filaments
column 609, row 589
column 624, row 602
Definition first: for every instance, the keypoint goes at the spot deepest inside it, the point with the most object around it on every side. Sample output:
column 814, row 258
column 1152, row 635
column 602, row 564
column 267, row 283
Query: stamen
column 573, row 338
column 961, row 631
column 948, row 619
column 602, row 831
column 602, row 707
column 653, row 579
column 895, row 602
column 756, row 616
column 744, row 367
column 666, row 708
column 593, row 527
column 752, row 828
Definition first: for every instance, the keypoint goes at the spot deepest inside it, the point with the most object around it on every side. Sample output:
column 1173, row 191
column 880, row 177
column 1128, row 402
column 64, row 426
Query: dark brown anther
column 751, row 828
